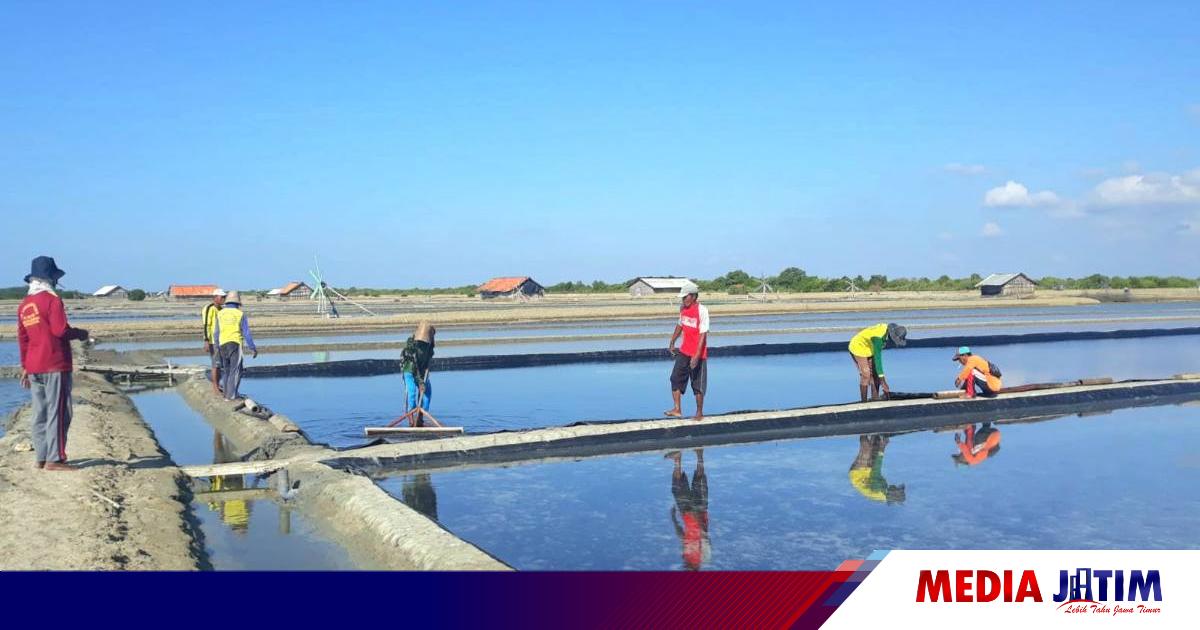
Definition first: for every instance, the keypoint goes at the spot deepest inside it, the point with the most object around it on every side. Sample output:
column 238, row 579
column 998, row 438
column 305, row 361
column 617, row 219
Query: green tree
column 136, row 295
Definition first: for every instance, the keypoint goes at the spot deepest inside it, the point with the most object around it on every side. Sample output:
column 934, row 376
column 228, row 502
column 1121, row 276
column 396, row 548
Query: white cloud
column 991, row 229
column 1149, row 189
column 1015, row 195
column 965, row 169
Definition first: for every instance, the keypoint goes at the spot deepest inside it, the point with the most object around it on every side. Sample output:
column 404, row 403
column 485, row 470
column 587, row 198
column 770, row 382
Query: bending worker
column 866, row 349
column 414, row 364
column 978, row 375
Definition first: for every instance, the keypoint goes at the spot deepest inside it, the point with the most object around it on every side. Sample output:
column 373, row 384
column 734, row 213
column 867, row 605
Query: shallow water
column 10, row 354
column 240, row 534
column 792, row 504
column 12, row 396
column 335, row 410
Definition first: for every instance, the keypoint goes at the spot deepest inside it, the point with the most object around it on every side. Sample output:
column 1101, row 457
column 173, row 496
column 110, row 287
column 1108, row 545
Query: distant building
column 113, row 291
column 522, row 287
column 650, row 286
column 291, row 290
column 1007, row 285
column 193, row 291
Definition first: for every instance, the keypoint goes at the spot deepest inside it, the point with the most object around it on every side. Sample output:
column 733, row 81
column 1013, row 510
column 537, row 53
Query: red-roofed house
column 291, row 290
column 522, row 287
column 193, row 291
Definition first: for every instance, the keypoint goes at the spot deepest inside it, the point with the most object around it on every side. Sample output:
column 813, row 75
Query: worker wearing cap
column 691, row 359
column 978, row 376
column 866, row 349
column 414, row 365
column 232, row 335
column 209, row 315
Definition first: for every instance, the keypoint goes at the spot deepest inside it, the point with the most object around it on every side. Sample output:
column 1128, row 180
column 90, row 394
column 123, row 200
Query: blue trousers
column 410, row 384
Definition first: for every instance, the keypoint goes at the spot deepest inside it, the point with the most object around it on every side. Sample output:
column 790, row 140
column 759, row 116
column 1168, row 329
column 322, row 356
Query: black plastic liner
column 374, row 367
column 839, row 420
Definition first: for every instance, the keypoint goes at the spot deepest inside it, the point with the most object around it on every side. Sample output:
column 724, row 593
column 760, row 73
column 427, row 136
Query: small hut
column 650, row 286
column 1006, row 285
column 291, row 290
column 111, row 291
column 519, row 287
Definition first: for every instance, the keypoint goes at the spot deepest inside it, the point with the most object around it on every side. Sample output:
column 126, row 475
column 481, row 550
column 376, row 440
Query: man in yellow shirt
column 209, row 315
column 978, row 376
column 866, row 349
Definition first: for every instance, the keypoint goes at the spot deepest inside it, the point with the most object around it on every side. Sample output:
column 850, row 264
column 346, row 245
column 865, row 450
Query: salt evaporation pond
column 335, row 410
column 1120, row 481
column 238, row 534
column 12, row 396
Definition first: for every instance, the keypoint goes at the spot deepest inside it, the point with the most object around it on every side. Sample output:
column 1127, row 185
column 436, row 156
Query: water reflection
column 976, row 445
column 235, row 512
column 416, row 491
column 691, row 505
column 866, row 472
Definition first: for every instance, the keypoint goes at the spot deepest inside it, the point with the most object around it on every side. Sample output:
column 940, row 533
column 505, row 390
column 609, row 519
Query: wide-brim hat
column 424, row 332
column 898, row 334
column 233, row 296
column 44, row 267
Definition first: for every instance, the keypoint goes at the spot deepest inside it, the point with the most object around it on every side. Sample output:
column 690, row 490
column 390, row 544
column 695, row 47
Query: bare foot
column 59, row 466
column 673, row 455
column 673, row 413
column 698, row 417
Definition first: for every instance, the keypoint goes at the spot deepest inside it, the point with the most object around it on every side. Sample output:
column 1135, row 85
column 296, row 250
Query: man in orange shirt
column 978, row 375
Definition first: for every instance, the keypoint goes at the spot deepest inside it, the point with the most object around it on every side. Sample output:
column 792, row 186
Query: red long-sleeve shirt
column 43, row 334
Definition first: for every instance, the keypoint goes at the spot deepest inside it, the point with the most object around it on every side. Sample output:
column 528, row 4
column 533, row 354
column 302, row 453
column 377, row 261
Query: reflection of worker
column 978, row 375
column 866, row 473
column 416, row 491
column 414, row 364
column 866, row 349
column 691, row 502
column 234, row 513
column 974, row 446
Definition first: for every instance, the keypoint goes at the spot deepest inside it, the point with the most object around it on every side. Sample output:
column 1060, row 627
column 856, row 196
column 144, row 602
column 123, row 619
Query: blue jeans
column 410, row 384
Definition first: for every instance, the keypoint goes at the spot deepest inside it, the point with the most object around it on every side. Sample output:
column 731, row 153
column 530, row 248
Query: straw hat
column 425, row 332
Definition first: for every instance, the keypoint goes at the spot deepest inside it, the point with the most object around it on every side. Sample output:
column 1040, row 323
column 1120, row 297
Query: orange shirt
column 975, row 362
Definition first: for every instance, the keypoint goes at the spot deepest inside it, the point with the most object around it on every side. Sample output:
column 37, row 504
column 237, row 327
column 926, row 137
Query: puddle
column 810, row 504
column 335, row 410
column 251, row 531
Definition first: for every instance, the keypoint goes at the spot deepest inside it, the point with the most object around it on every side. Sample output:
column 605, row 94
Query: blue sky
column 414, row 144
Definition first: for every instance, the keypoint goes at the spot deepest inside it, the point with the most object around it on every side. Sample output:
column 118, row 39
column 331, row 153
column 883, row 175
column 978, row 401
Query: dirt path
column 124, row 509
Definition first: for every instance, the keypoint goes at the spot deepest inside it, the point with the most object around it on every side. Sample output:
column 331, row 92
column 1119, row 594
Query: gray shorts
column 682, row 372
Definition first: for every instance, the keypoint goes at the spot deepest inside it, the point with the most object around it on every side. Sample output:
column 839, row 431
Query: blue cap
column 962, row 350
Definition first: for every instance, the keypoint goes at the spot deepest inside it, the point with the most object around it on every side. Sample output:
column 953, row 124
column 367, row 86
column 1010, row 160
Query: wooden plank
column 1106, row 380
column 245, row 494
column 376, row 431
column 233, row 468
column 1187, row 376
column 952, row 393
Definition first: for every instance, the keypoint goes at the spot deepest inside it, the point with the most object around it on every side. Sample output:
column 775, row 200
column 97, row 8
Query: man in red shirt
column 44, row 337
column 691, row 359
